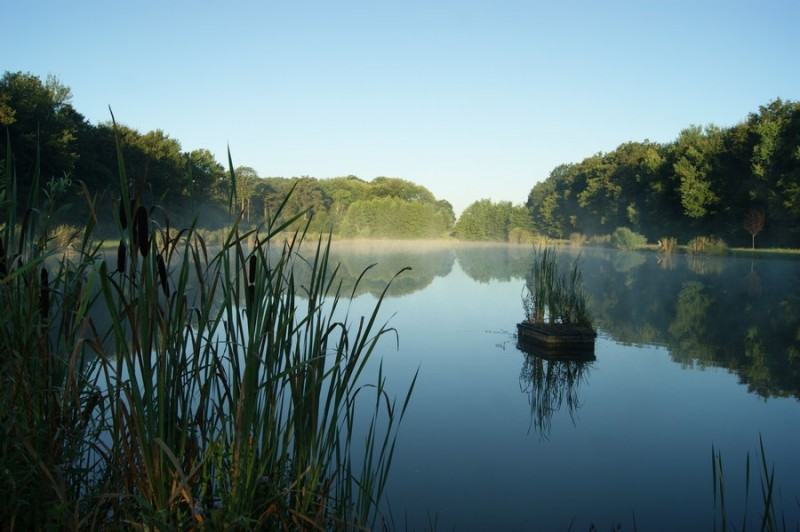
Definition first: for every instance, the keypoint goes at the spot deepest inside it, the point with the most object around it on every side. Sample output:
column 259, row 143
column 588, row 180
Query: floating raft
column 556, row 340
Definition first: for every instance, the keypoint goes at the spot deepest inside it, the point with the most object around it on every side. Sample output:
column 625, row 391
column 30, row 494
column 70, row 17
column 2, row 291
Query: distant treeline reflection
column 735, row 313
column 730, row 312
column 426, row 260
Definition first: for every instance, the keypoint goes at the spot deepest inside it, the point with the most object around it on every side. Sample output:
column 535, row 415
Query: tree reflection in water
column 549, row 384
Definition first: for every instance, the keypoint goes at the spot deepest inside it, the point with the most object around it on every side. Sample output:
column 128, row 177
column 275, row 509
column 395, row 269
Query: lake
column 692, row 352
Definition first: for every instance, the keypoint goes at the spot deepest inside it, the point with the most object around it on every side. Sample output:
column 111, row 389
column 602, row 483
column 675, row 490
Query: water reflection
column 739, row 313
column 494, row 262
column 551, row 383
column 427, row 261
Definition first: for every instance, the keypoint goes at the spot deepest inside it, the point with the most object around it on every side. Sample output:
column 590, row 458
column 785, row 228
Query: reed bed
column 180, row 386
column 667, row 245
column 552, row 297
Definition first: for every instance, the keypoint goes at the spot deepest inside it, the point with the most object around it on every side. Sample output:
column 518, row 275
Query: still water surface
column 691, row 353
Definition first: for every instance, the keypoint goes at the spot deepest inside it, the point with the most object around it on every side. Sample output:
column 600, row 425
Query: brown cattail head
column 249, row 296
column 44, row 294
column 142, row 231
column 252, row 276
column 121, row 254
column 162, row 274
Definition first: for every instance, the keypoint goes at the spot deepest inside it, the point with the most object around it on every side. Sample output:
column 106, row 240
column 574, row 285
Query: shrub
column 66, row 236
column 600, row 240
column 667, row 244
column 577, row 239
column 707, row 245
column 213, row 237
column 518, row 235
column 624, row 238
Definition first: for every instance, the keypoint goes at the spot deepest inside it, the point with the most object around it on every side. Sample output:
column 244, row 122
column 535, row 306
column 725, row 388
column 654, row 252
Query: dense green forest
column 740, row 184
column 735, row 183
column 49, row 138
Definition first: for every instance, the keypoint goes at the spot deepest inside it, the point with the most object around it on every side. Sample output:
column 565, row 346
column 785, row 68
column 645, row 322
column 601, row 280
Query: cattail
column 121, row 254
column 249, row 296
column 142, row 232
column 162, row 274
column 44, row 294
column 91, row 403
column 252, row 277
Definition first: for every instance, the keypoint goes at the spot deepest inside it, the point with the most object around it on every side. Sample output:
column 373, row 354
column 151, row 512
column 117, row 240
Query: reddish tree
column 754, row 223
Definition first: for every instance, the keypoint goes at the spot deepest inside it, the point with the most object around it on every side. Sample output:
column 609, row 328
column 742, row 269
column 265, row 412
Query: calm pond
column 692, row 352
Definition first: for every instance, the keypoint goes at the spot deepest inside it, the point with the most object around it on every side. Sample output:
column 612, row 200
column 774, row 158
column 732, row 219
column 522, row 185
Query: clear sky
column 471, row 99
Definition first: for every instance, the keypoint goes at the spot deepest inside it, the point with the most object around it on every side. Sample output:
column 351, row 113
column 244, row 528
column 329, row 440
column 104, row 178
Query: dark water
column 691, row 353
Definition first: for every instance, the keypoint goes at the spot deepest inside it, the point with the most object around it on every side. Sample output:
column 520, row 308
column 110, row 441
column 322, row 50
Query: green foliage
column 39, row 116
column 387, row 217
column 484, row 220
column 624, row 238
column 40, row 120
column 768, row 519
column 518, row 235
column 705, row 181
column 667, row 244
column 707, row 245
column 577, row 239
column 554, row 297
column 600, row 240
column 174, row 386
column 694, row 153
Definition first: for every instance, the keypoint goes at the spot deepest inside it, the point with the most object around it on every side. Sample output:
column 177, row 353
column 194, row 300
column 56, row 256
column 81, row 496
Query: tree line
column 46, row 137
column 732, row 183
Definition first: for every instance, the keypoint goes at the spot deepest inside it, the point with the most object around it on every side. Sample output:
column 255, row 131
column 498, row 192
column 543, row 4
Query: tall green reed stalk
column 552, row 297
column 768, row 520
column 44, row 401
column 221, row 394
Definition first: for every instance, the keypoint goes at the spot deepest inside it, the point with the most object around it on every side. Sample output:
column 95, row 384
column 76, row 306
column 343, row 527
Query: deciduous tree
column 754, row 223
column 42, row 125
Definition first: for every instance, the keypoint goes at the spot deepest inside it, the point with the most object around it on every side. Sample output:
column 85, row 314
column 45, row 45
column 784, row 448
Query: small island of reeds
column 557, row 322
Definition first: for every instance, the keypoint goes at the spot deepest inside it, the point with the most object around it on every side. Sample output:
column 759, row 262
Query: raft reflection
column 550, row 382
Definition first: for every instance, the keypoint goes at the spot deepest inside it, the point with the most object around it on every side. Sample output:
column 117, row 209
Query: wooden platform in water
column 556, row 340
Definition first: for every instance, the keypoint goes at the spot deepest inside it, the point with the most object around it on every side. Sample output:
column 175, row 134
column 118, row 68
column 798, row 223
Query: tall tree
column 42, row 125
column 693, row 162
column 207, row 176
column 246, row 181
column 485, row 220
column 754, row 223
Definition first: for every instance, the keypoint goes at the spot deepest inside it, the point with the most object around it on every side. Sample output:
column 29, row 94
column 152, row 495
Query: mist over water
column 692, row 351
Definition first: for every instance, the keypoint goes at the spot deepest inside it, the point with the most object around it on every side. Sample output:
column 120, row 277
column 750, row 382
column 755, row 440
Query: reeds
column 186, row 386
column 706, row 245
column 549, row 384
column 552, row 297
column 768, row 518
column 667, row 245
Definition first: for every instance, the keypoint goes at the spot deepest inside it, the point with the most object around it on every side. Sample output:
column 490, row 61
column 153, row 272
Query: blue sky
column 471, row 99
